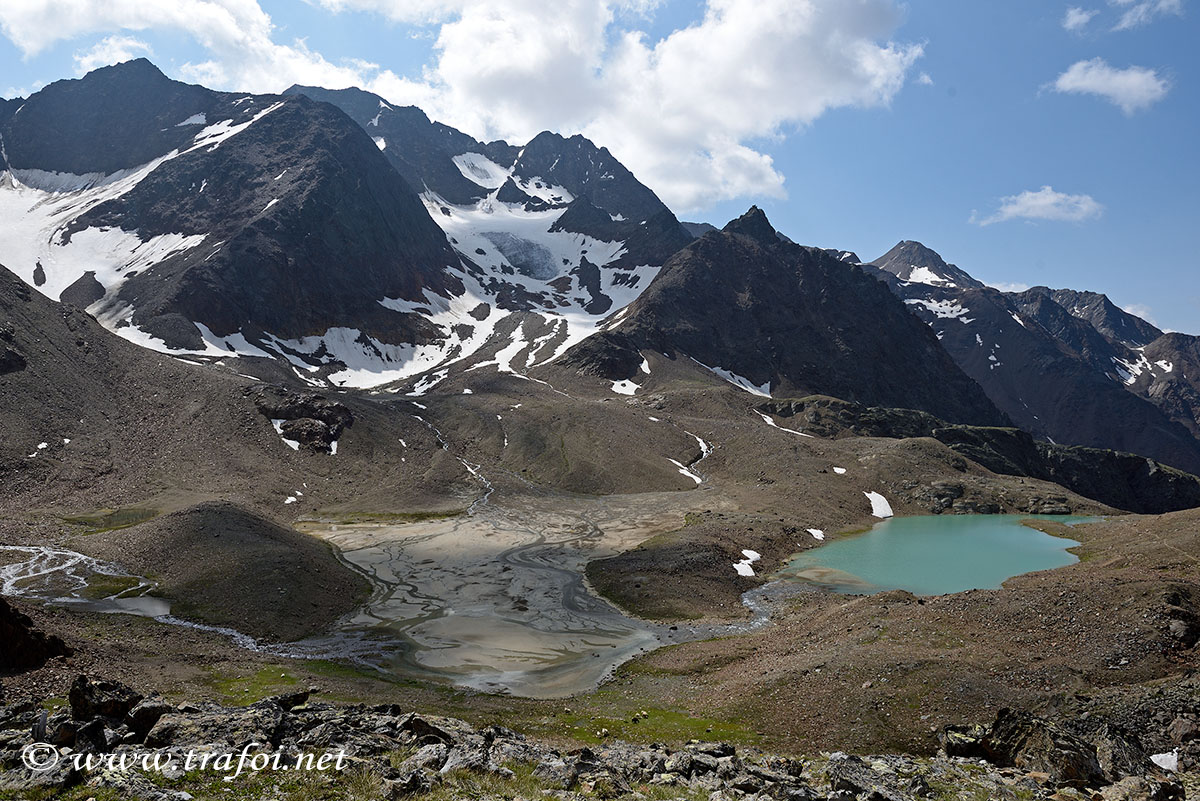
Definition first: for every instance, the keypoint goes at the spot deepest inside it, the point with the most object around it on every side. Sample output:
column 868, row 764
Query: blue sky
column 944, row 124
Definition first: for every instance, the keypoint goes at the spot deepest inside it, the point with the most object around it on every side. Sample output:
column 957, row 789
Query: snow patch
column 625, row 387
column 879, row 505
column 942, row 309
column 683, row 470
column 1168, row 761
column 195, row 119
column 762, row 390
column 924, row 275
column 480, row 170
column 291, row 443
column 841, row 471
column 771, row 422
column 817, row 534
column 743, row 567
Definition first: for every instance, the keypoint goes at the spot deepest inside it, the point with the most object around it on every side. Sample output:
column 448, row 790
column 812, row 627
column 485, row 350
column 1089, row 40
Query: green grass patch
column 241, row 690
column 112, row 519
column 101, row 586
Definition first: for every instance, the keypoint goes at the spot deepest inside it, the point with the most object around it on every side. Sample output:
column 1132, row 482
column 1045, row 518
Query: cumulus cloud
column 924, row 79
column 1076, row 19
column 1044, row 204
column 1140, row 310
column 681, row 112
column 1131, row 89
column 687, row 112
column 1141, row 12
column 110, row 50
column 1008, row 286
column 237, row 34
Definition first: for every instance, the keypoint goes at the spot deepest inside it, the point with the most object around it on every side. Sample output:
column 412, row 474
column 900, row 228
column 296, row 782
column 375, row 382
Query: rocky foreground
column 385, row 752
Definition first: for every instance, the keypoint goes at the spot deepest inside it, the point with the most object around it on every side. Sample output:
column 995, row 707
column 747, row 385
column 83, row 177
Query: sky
column 1031, row 142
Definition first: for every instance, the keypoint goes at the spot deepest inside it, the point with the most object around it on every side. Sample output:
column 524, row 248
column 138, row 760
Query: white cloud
column 1140, row 310
column 1131, row 89
column 1076, row 19
column 1141, row 12
column 1008, row 286
column 747, row 71
column 1044, row 204
column 924, row 79
column 110, row 50
column 236, row 33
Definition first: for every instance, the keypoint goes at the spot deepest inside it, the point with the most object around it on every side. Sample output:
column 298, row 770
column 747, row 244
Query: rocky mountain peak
column 1105, row 316
column 754, row 224
column 913, row 262
column 111, row 119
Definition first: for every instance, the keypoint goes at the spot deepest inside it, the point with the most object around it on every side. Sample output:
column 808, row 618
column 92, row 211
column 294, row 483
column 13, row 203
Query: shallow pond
column 934, row 555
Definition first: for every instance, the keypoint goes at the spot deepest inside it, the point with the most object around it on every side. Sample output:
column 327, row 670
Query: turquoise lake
column 934, row 555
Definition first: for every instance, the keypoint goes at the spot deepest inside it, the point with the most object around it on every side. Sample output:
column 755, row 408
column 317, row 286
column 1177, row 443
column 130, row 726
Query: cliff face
column 1121, row 480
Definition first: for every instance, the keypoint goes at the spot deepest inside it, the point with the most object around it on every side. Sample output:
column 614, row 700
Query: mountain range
column 1068, row 366
column 328, row 238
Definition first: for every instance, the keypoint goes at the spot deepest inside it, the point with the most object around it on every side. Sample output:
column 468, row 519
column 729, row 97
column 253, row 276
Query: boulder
column 868, row 781
column 101, row 698
column 1025, row 741
column 1183, row 729
column 25, row 647
column 225, row 727
column 146, row 713
column 1140, row 788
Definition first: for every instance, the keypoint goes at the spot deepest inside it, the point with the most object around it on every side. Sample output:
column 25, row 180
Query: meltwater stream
column 494, row 601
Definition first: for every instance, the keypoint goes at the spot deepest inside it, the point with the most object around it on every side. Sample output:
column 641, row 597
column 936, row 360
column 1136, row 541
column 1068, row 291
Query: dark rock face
column 1120, row 480
column 318, row 246
column 1105, row 316
column 1024, row 741
column 307, row 418
column 101, row 699
column 1059, row 363
column 1176, row 391
column 606, row 201
column 773, row 312
column 84, row 292
column 25, row 647
column 1093, row 756
column 305, row 225
column 421, row 150
column 588, row 172
column 112, row 119
column 11, row 359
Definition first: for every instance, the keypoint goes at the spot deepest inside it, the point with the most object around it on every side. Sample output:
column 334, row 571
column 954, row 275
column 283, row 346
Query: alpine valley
column 309, row 390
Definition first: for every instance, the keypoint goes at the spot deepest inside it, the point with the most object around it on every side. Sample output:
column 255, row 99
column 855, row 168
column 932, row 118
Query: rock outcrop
column 1121, row 480
column 397, row 753
column 22, row 646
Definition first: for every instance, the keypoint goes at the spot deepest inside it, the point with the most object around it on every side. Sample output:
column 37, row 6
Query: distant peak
column 914, row 262
column 138, row 67
column 754, row 224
